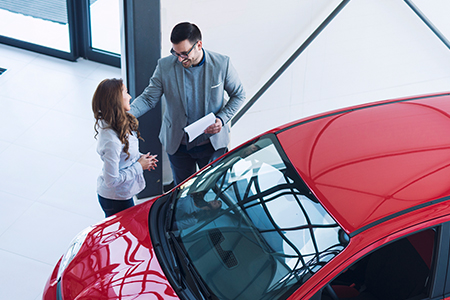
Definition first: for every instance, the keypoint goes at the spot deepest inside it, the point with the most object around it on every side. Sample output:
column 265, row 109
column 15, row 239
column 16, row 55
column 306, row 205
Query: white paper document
column 198, row 127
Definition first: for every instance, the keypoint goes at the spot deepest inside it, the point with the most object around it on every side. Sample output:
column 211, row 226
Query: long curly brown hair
column 107, row 105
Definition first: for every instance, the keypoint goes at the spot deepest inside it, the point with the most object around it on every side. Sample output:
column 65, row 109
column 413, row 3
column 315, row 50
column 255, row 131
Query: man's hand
column 214, row 128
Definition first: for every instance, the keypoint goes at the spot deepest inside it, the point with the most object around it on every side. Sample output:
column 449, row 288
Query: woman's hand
column 148, row 162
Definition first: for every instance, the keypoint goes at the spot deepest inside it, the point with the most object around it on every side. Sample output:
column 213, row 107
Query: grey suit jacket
column 168, row 80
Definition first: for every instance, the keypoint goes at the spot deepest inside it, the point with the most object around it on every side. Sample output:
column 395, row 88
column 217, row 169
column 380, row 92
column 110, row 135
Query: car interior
column 399, row 270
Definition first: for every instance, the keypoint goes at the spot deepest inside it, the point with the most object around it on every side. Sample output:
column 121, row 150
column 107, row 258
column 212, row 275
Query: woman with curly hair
column 118, row 146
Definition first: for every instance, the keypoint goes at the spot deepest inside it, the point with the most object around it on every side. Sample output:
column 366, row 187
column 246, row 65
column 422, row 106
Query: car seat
column 397, row 271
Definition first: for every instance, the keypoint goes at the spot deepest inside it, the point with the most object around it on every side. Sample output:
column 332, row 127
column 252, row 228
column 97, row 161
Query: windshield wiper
column 173, row 261
column 171, row 210
column 200, row 285
column 175, row 264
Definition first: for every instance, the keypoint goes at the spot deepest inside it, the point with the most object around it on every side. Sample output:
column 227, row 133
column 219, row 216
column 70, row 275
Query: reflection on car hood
column 374, row 161
column 117, row 261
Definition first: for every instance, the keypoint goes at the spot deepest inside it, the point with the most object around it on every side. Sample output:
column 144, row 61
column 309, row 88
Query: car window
column 399, row 270
column 250, row 226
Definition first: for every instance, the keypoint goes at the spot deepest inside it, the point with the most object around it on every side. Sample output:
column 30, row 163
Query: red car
column 350, row 204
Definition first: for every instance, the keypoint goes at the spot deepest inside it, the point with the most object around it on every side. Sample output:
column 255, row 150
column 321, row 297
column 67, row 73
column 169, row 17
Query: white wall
column 373, row 50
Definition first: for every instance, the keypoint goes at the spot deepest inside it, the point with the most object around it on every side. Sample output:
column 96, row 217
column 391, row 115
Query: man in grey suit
column 193, row 82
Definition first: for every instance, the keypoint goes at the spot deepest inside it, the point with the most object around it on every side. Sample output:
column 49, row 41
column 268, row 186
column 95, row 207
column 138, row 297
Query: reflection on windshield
column 251, row 228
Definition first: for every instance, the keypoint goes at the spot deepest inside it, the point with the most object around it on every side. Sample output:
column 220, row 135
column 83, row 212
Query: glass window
column 250, row 226
column 65, row 29
column 44, row 23
column 399, row 270
column 105, row 25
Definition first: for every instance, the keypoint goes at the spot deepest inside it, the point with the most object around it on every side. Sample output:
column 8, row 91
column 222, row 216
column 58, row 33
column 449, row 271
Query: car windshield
column 250, row 227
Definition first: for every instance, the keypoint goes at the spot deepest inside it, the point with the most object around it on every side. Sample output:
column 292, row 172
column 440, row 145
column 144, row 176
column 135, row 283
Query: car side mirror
column 343, row 237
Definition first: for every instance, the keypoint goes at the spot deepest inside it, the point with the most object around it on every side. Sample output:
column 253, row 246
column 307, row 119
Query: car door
column 445, row 261
column 411, row 267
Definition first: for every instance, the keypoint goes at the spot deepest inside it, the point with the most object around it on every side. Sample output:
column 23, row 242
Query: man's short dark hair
column 185, row 31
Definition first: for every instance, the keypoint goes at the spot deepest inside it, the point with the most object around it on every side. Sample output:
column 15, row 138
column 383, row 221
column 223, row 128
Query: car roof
column 373, row 162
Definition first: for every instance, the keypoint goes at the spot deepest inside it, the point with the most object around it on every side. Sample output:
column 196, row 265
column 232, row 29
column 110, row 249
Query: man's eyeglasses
column 183, row 55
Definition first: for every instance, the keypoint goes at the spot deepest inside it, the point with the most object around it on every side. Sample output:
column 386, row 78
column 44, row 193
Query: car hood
column 117, row 261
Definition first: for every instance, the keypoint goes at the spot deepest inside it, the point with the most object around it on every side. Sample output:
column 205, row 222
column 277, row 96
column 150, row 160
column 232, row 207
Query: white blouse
column 120, row 179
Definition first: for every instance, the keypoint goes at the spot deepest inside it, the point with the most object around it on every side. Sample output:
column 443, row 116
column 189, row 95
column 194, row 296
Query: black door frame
column 79, row 36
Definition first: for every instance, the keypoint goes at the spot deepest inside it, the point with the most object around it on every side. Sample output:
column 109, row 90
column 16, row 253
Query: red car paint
column 381, row 170
column 116, row 261
column 376, row 161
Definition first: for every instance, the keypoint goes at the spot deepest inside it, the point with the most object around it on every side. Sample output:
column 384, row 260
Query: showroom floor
column 48, row 164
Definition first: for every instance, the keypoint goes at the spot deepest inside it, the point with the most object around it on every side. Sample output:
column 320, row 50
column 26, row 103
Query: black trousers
column 111, row 207
column 184, row 162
